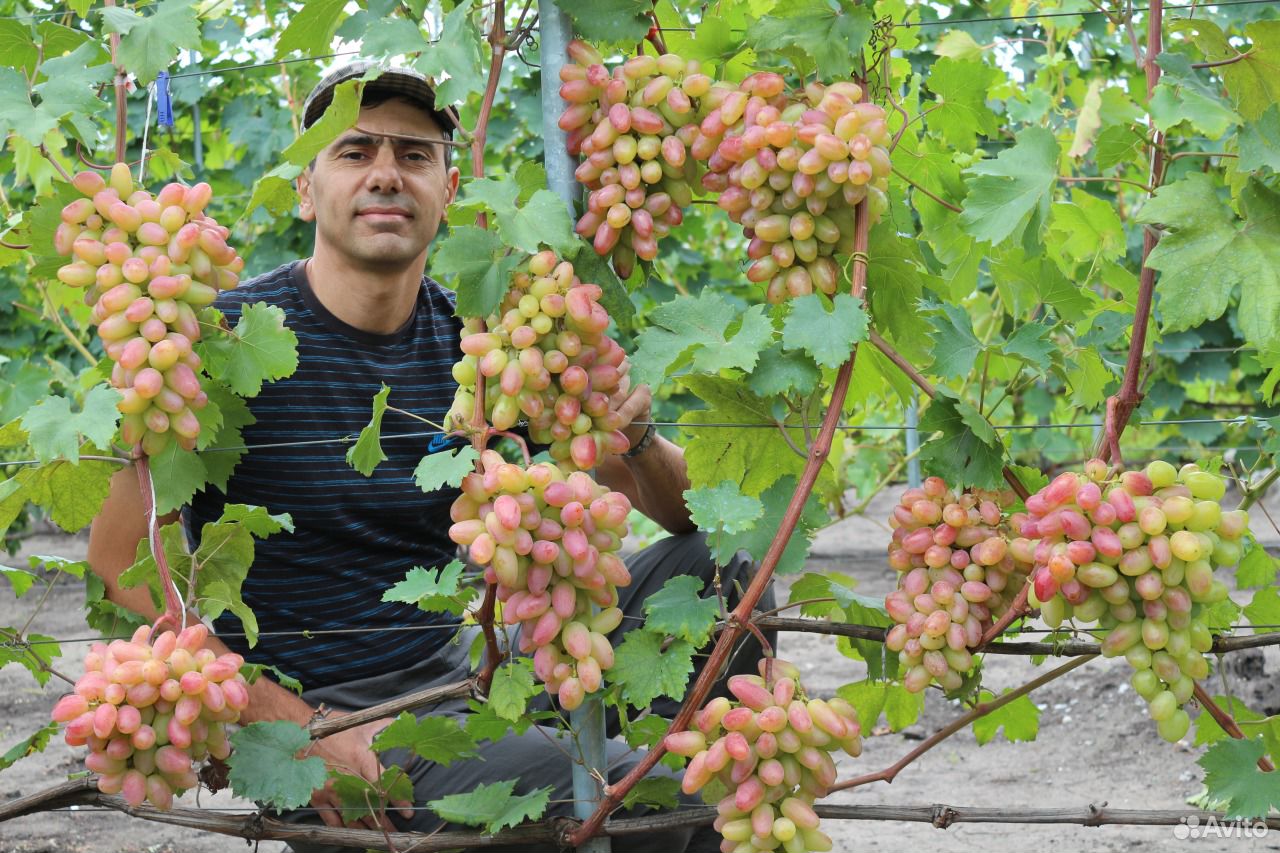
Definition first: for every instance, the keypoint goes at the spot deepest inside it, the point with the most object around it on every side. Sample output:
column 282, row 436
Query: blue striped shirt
column 354, row 536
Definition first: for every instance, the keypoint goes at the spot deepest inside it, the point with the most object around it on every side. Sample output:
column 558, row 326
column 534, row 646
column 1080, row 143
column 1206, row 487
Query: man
column 365, row 314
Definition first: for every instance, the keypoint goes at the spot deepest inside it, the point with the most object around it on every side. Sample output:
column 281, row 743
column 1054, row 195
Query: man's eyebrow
column 366, row 139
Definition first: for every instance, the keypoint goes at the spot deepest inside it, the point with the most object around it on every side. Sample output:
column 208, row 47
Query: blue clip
column 164, row 107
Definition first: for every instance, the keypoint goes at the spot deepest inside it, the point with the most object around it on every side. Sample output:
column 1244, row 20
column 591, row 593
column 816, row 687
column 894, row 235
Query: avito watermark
column 1212, row 827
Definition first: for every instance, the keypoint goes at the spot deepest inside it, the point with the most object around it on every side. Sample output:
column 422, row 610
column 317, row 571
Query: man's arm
column 656, row 478
column 113, row 543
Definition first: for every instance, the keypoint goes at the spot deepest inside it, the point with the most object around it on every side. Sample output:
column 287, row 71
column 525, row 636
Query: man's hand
column 351, row 751
column 635, row 405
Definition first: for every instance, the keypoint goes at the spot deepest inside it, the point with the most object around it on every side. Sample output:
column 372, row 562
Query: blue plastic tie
column 164, row 107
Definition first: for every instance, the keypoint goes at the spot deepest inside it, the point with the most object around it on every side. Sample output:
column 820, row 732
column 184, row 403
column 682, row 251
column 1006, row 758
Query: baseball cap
column 393, row 80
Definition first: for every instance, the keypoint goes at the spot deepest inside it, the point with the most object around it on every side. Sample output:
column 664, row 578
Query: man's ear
column 451, row 190
column 306, row 206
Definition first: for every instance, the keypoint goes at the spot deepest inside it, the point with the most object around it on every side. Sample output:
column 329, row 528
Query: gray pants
column 538, row 757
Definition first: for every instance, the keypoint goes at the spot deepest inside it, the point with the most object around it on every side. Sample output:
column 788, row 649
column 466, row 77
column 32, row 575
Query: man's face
column 378, row 198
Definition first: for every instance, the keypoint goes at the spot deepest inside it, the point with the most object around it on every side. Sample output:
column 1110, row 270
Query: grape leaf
column 55, row 433
column 474, row 263
column 870, row 699
column 1209, row 253
column 678, row 611
column 646, row 671
column 757, row 538
column 69, row 90
column 17, row 48
column 149, row 44
column 963, row 114
column 701, row 325
column 494, row 806
column 542, row 219
column 1207, row 729
column 177, row 474
column 20, row 579
column 73, row 494
column 434, row 738
column 361, row 798
column 968, row 452
column 34, row 658
column 1264, row 608
column 658, row 791
column 252, row 671
column 445, row 468
column 1020, row 720
column 815, row 33
column 828, row 336
column 1260, row 143
column 235, row 416
column 30, row 745
column 264, row 767
column 366, row 453
column 459, row 52
column 609, row 20
column 1088, row 227
column 435, row 591
column 1231, row 774
column 837, row 588
column 16, row 112
column 1254, row 81
column 258, row 349
column 342, row 113
column 1116, row 144
column 393, row 36
column 722, row 508
column 955, row 347
column 1257, row 567
column 1014, row 190
column 1182, row 96
column 1088, row 121
column 1032, row 344
column 779, row 372
column 311, row 29
column 484, row 724
column 753, row 458
column 512, row 688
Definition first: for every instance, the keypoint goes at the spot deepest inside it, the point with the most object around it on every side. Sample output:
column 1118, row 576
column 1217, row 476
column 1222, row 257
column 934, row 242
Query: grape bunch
column 546, row 356
column 150, row 712
column 1136, row 553
column 634, row 127
column 771, row 750
column 791, row 170
column 958, row 575
column 550, row 543
column 148, row 265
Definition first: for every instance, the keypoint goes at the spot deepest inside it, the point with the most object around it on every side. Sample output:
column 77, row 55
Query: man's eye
column 418, row 156
column 352, row 155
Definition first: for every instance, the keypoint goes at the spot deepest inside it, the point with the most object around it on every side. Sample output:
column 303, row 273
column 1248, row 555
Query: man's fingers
column 405, row 807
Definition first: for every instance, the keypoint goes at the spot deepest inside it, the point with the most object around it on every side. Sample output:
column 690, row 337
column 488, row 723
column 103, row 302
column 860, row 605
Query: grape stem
column 173, row 610
column 56, row 316
column 119, row 81
column 1017, row 608
column 979, row 710
column 1227, row 722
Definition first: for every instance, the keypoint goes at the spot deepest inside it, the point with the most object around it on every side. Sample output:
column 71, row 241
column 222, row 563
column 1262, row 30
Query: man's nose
column 384, row 173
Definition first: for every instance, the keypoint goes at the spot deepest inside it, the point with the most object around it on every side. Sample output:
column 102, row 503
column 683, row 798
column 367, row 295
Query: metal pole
column 195, row 121
column 555, row 32
column 913, row 443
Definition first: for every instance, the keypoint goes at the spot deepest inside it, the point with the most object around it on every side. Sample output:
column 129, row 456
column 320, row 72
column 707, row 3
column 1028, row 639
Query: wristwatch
column 643, row 444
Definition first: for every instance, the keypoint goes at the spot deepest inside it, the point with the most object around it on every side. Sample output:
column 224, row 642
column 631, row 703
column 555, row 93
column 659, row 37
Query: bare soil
column 1096, row 745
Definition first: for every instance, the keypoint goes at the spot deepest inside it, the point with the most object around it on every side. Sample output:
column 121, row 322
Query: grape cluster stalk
column 766, row 758
column 546, row 358
column 550, row 543
column 1136, row 552
column 957, row 576
column 151, row 712
column 148, row 266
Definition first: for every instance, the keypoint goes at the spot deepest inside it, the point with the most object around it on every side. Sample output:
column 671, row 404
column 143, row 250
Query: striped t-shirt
column 354, row 536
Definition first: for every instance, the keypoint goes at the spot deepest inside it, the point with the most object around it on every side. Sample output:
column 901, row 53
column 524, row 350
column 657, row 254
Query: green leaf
column 34, row 658
column 1088, row 227
column 677, row 610
column 828, row 336
column 1254, row 82
column 753, row 458
column 252, row 671
column 609, row 20
column 435, row 591
column 1257, row 567
column 779, row 372
column 1264, row 608
column 342, row 113
column 955, row 347
column 963, row 114
column 1032, row 344
column 311, row 29
column 474, row 263
column 484, row 724
column 150, row 44
column 20, row 579
column 16, row 112
column 386, row 37
column 757, row 538
column 661, row 792
column 1207, row 729
column 178, row 474
column 1231, row 774
column 871, row 699
column 235, row 416
column 494, row 806
column 361, row 798
column 30, row 745
column 1020, row 720
column 17, row 48
column 73, row 494
column 722, row 508
column 958, row 44
column 1115, row 145
column 1088, row 377
column 458, row 53
column 434, row 738
column 264, row 767
column 701, row 326
column 1013, row 190
column 366, row 453
column 1209, row 253
column 543, row 219
column 56, row 433
column 512, row 688
column 1260, row 143
column 1174, row 102
column 445, row 468
column 646, row 671
column 968, row 452
column 258, row 349
column 814, row 33
column 70, row 88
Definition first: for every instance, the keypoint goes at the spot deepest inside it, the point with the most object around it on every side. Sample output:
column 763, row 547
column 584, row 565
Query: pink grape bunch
column 149, row 713
column 791, row 169
column 546, row 357
column 633, row 127
column 148, row 266
column 1136, row 552
column 957, row 576
column 550, row 543
column 771, row 749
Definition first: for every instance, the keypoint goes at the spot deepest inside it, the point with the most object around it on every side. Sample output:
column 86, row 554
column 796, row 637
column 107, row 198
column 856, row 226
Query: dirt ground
column 1096, row 745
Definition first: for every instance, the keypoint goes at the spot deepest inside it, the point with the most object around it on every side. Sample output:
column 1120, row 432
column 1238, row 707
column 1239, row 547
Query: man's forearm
column 662, row 478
